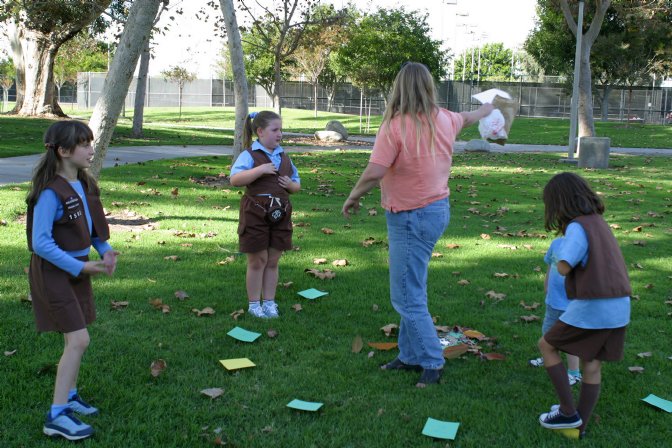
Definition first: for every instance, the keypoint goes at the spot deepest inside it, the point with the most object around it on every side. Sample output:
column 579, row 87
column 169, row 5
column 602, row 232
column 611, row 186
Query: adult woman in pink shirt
column 411, row 161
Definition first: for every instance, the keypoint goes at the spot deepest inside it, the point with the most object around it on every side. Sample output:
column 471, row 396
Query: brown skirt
column 604, row 344
column 255, row 234
column 61, row 302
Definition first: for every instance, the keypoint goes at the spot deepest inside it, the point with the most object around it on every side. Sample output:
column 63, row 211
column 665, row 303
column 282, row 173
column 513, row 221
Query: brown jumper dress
column 61, row 302
column 255, row 233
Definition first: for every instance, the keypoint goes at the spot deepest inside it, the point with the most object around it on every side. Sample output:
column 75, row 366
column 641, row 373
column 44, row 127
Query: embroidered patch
column 73, row 207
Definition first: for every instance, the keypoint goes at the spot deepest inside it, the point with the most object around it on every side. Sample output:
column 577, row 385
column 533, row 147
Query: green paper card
column 243, row 335
column 304, row 405
column 235, row 364
column 312, row 293
column 440, row 430
column 658, row 402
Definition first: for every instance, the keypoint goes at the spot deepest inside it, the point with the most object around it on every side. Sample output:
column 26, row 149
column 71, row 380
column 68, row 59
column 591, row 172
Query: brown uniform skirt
column 604, row 344
column 255, row 234
column 61, row 302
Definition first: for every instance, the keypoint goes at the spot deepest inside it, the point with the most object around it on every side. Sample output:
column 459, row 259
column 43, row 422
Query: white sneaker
column 537, row 362
column 270, row 310
column 257, row 311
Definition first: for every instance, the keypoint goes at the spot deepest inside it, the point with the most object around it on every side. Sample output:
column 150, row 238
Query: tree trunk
column 586, row 121
column 140, row 93
column 277, row 86
column 39, row 51
column 16, row 35
column 106, row 112
column 239, row 77
column 315, row 95
column 604, row 102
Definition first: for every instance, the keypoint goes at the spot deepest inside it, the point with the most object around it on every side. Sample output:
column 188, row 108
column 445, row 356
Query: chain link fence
column 549, row 98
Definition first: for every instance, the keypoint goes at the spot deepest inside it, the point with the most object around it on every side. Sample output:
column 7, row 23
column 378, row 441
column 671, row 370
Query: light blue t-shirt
column 246, row 162
column 593, row 314
column 49, row 209
column 556, row 295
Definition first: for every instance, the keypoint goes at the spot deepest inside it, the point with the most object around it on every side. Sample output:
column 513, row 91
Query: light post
column 574, row 111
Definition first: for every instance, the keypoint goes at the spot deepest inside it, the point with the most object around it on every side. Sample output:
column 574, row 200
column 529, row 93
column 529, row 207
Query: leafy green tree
column 80, row 54
column 181, row 76
column 7, row 72
column 380, row 42
column 495, row 63
column 37, row 30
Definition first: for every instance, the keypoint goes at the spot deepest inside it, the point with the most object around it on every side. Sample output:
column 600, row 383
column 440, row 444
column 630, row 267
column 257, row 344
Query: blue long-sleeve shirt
column 49, row 209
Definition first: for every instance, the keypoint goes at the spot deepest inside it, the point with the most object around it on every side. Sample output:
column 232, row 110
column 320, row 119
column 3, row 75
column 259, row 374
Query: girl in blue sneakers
column 66, row 217
column 597, row 284
column 556, row 304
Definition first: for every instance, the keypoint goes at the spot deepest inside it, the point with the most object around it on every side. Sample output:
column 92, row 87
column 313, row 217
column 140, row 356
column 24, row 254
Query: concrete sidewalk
column 19, row 169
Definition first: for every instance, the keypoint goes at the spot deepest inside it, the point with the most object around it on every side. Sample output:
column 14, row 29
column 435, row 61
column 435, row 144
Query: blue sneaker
column 81, row 407
column 557, row 420
column 66, row 425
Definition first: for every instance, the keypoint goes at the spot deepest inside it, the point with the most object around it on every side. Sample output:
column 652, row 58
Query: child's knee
column 78, row 341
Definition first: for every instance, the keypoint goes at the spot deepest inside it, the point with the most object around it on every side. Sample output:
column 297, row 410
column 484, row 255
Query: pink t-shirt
column 415, row 177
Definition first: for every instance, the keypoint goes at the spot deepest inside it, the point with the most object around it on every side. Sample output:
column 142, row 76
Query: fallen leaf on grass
column 373, row 212
column 474, row 334
column 319, row 260
column 636, row 369
column 207, row 311
column 327, row 274
column 531, row 307
column 371, row 354
column 644, row 355
column 442, row 328
column 236, row 314
column 267, row 429
column 452, row 246
column 507, row 246
column 10, row 352
column 118, row 305
column 158, row 367
column 327, row 231
column 213, row 392
column 159, row 305
column 641, row 243
column 537, row 269
column 374, row 307
column 614, row 226
column 286, row 284
column 383, row 345
column 495, row 295
column 494, row 356
column 501, row 275
column 227, row 260
column 638, row 266
column 297, row 307
column 181, row 295
column 171, row 258
column 437, row 255
column 530, row 318
column 271, row 333
column 648, row 286
column 342, row 262
column 174, row 192
column 463, row 282
column 485, row 236
column 389, row 329
column 370, row 241
column 357, row 344
column 455, row 351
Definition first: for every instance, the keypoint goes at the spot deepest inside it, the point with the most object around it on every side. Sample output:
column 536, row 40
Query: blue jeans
column 412, row 235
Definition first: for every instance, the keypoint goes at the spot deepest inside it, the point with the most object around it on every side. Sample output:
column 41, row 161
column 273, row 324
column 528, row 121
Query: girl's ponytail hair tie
column 48, row 146
column 253, row 115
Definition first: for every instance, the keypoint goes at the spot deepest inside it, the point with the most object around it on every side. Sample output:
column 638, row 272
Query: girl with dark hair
column 411, row 159
column 265, row 224
column 598, row 288
column 66, row 217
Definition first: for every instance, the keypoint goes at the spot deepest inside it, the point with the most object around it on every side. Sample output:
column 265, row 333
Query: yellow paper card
column 572, row 433
column 235, row 364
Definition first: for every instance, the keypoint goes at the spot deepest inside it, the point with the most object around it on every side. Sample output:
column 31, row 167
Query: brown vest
column 268, row 183
column 605, row 275
column 71, row 231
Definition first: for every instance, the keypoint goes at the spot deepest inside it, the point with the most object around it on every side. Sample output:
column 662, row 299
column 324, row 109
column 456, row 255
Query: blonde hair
column 413, row 95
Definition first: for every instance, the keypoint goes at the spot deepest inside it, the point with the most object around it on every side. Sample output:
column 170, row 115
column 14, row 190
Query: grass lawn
column 21, row 136
column 496, row 402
